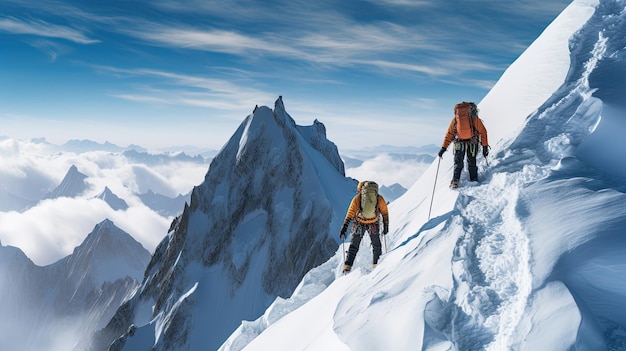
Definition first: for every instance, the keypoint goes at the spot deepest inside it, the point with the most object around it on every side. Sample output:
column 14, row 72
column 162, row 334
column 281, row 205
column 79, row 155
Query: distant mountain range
column 86, row 145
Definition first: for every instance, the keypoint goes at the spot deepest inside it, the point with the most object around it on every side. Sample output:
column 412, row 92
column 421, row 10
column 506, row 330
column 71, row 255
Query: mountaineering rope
column 434, row 186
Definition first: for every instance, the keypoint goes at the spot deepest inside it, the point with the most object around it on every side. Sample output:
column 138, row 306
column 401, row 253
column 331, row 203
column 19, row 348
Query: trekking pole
column 343, row 248
column 385, row 241
column 486, row 160
column 434, row 186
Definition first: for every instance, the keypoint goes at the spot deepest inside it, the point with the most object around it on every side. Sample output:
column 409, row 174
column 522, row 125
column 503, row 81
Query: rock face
column 268, row 211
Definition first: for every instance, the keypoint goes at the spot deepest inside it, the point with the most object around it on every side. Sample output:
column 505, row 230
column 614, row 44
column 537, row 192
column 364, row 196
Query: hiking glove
column 485, row 150
column 385, row 229
column 443, row 149
column 344, row 228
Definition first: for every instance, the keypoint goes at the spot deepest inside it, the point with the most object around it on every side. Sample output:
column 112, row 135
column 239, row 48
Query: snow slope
column 532, row 258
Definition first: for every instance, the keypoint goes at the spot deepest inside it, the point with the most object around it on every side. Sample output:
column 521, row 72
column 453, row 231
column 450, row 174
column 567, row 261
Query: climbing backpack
column 369, row 200
column 464, row 113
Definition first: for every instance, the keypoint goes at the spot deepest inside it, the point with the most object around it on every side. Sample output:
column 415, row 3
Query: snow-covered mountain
column 73, row 184
column 392, row 192
column 157, row 159
column 80, row 146
column 55, row 307
column 268, row 211
column 112, row 200
column 164, row 205
column 532, row 258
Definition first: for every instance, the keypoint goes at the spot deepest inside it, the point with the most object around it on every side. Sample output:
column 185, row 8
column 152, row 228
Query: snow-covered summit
column 268, row 211
column 104, row 254
column 73, row 184
column 55, row 307
column 111, row 199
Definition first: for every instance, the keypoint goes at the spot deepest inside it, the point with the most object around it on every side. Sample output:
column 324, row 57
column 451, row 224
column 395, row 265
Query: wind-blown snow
column 532, row 258
column 57, row 307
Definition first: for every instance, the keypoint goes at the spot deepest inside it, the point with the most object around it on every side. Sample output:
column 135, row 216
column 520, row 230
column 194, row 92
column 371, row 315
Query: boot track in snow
column 491, row 271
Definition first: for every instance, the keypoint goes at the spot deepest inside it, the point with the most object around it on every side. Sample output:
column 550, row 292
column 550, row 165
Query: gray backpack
column 369, row 200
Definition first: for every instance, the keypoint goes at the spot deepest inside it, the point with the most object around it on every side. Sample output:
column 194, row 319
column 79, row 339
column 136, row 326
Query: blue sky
column 163, row 73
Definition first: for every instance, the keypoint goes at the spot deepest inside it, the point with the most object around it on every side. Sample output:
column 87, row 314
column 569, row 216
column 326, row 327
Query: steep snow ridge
column 267, row 212
column 315, row 135
column 505, row 111
column 533, row 253
column 548, row 144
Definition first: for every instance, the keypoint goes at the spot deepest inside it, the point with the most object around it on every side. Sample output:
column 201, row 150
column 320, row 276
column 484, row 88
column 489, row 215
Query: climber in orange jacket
column 467, row 131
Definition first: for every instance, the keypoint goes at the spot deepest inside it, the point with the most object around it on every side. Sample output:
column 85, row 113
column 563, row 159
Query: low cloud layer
column 386, row 170
column 50, row 230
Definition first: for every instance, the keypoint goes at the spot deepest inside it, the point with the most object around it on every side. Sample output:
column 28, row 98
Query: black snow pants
column 358, row 230
column 462, row 148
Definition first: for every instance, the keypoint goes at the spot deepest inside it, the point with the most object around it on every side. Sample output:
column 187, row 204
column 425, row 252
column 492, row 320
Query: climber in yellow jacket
column 366, row 208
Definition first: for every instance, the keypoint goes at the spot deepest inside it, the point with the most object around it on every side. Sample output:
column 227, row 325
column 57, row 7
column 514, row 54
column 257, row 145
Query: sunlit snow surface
column 532, row 258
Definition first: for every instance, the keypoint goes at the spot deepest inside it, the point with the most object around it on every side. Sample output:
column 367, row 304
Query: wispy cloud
column 532, row 8
column 405, row 3
column 339, row 45
column 43, row 29
column 407, row 67
column 320, row 35
column 211, row 39
column 191, row 90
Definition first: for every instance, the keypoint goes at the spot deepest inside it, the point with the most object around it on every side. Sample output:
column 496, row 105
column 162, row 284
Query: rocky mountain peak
column 265, row 214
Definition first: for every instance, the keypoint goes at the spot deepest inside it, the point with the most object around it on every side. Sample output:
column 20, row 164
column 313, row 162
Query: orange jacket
column 478, row 125
column 355, row 207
